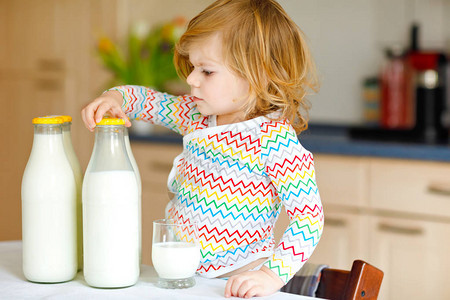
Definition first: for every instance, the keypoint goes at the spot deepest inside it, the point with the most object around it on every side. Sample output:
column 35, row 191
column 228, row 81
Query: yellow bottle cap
column 48, row 120
column 111, row 121
column 66, row 118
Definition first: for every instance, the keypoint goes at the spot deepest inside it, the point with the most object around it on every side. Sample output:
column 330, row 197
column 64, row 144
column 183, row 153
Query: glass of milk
column 175, row 253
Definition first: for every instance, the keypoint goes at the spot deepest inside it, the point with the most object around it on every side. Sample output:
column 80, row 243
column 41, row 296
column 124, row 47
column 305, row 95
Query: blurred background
column 384, row 78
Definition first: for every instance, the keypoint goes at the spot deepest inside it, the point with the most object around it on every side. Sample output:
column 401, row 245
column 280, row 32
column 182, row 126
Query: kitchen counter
column 336, row 140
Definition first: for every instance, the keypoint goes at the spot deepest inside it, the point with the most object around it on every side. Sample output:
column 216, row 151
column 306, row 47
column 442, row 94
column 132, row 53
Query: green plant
column 147, row 59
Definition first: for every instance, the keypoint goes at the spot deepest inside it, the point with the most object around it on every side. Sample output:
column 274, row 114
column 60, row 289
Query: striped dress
column 234, row 180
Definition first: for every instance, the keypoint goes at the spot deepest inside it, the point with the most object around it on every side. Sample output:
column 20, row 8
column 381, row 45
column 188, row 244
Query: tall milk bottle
column 76, row 168
column 138, row 179
column 110, row 211
column 49, row 207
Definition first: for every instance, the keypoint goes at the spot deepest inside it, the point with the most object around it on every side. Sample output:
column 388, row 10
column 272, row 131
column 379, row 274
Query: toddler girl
column 249, row 70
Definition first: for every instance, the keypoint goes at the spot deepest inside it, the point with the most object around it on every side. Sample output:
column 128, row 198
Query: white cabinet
column 413, row 255
column 392, row 213
column 410, row 187
column 342, row 180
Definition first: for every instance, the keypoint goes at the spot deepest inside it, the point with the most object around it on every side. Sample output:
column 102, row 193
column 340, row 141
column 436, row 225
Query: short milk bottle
column 110, row 211
column 138, row 179
column 49, row 207
column 76, row 168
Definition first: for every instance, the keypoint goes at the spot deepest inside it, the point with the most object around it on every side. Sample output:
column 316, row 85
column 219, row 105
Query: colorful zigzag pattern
column 234, row 180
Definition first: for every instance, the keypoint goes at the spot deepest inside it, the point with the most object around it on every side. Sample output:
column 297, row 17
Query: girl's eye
column 206, row 72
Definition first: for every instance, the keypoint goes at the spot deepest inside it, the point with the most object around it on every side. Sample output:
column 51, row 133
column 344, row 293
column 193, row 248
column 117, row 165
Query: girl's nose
column 192, row 79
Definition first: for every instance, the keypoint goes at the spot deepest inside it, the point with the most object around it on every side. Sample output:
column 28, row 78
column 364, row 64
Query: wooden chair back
column 362, row 282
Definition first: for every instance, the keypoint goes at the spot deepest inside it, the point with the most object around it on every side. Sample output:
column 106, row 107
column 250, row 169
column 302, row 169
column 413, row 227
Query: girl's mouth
column 197, row 99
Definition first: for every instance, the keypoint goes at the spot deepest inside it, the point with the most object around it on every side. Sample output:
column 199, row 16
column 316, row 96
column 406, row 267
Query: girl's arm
column 179, row 114
column 142, row 103
column 291, row 169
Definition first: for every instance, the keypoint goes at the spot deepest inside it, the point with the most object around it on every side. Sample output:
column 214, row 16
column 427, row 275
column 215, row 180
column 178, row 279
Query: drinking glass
column 175, row 253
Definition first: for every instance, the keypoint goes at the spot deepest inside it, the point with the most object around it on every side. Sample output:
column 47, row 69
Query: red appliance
column 397, row 92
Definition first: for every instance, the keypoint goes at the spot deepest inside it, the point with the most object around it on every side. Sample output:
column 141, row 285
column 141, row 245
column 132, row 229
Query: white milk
column 49, row 213
column 110, row 229
column 76, row 168
column 175, row 260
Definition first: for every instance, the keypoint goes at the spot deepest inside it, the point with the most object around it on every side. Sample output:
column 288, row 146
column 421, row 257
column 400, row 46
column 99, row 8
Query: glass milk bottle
column 110, row 211
column 49, row 207
column 138, row 179
column 76, row 168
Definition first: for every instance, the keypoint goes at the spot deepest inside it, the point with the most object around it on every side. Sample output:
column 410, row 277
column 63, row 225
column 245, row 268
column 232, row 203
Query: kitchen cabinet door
column 414, row 257
column 343, row 240
column 416, row 187
column 342, row 180
column 47, row 66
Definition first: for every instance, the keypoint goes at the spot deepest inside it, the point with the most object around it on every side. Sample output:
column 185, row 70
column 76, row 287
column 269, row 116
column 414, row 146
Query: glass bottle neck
column 47, row 129
column 66, row 127
column 109, row 135
column 109, row 149
column 47, row 140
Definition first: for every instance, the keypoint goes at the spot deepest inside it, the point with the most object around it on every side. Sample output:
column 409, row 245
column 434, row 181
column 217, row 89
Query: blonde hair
column 262, row 44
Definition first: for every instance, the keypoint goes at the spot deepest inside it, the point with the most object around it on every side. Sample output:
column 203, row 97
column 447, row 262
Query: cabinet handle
column 48, row 84
column 335, row 222
column 440, row 188
column 50, row 64
column 161, row 166
column 399, row 230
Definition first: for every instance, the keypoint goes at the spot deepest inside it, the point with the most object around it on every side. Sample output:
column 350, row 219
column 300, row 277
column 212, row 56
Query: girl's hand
column 110, row 102
column 248, row 284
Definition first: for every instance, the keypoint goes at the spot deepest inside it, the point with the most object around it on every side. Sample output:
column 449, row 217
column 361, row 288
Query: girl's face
column 216, row 90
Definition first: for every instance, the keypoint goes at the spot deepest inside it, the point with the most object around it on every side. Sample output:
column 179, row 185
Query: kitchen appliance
column 396, row 101
column 431, row 99
column 428, row 104
column 430, row 91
